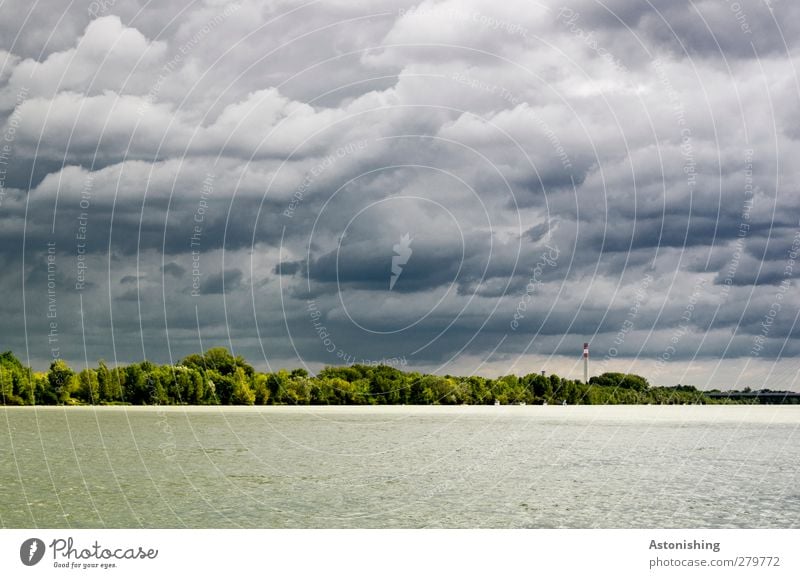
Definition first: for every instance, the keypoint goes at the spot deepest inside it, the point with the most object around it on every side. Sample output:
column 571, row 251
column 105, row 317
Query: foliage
column 218, row 377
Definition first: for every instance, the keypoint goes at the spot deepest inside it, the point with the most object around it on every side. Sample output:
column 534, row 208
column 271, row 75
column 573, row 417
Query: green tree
column 88, row 386
column 222, row 386
column 297, row 391
column 387, row 384
column 260, row 389
column 220, row 360
column 106, row 388
column 277, row 383
column 621, row 380
column 343, row 392
column 24, row 385
column 161, row 381
column 420, row 392
column 7, row 387
column 62, row 381
column 43, row 394
column 323, row 392
column 137, row 388
column 242, row 392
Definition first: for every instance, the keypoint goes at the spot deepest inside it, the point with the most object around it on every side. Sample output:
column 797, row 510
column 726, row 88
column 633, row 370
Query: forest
column 217, row 377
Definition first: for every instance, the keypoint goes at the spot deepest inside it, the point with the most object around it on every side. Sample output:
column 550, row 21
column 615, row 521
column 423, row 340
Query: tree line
column 217, row 377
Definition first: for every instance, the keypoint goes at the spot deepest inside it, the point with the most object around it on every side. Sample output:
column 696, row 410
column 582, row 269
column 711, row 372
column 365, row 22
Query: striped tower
column 585, row 363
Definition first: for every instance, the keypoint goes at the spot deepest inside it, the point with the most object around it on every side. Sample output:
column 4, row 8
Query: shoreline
column 734, row 413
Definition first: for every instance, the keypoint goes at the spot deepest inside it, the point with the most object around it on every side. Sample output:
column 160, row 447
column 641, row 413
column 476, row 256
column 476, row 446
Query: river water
column 390, row 467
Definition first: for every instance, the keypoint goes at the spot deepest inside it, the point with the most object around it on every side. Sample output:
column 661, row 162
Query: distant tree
column 137, row 386
column 420, row 392
column 479, row 392
column 297, row 391
column 43, row 392
column 163, row 385
column 242, row 392
column 387, row 384
column 222, row 384
column 24, row 385
column 218, row 377
column 118, row 377
column 299, row 372
column 323, row 392
column 220, row 360
column 348, row 373
column 361, row 395
column 7, row 396
column 620, row 380
column 277, row 383
column 88, row 387
column 343, row 392
column 10, row 361
column 62, row 381
column 260, row 389
column 106, row 388
column 16, row 381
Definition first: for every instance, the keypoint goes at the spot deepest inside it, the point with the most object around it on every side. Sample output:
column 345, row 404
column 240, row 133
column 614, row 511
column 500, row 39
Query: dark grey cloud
column 244, row 174
column 288, row 268
column 697, row 29
column 217, row 283
column 173, row 269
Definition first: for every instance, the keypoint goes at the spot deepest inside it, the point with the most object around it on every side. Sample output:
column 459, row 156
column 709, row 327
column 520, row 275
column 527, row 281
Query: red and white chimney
column 585, row 363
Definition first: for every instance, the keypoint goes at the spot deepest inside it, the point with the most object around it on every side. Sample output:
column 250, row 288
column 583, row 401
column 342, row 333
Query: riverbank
column 219, row 378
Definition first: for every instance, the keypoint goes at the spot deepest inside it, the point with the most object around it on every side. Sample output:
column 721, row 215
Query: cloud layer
column 532, row 176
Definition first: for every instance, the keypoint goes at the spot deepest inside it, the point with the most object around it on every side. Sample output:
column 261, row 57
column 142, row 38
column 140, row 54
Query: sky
column 457, row 186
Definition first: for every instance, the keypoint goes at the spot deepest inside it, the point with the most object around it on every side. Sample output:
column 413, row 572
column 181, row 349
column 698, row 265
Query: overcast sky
column 457, row 186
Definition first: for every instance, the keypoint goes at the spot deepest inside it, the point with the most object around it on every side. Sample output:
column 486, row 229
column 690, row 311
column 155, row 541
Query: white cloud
column 108, row 56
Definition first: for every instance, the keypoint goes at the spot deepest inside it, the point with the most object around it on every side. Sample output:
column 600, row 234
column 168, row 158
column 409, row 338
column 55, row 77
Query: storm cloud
column 466, row 186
